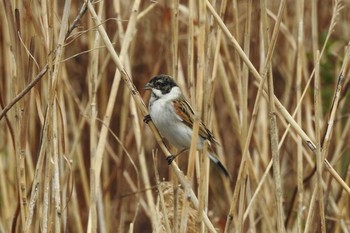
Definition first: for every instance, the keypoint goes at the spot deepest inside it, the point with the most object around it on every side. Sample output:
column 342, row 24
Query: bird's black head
column 162, row 82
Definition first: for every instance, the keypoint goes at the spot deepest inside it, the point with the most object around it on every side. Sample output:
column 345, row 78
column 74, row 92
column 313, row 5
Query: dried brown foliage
column 269, row 78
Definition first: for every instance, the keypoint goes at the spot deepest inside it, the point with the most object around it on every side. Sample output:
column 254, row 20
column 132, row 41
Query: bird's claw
column 147, row 118
column 170, row 158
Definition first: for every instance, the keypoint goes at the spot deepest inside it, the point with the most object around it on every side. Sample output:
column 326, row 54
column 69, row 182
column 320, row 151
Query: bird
column 174, row 117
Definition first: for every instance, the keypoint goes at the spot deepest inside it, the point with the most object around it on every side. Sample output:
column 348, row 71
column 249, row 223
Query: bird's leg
column 147, row 118
column 171, row 158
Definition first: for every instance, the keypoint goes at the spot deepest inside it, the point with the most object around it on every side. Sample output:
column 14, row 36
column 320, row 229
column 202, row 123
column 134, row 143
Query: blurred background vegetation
column 51, row 131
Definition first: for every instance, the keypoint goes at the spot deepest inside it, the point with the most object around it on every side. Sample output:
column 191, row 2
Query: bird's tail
column 218, row 164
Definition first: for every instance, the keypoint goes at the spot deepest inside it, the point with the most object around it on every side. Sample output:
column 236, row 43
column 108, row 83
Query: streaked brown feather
column 186, row 113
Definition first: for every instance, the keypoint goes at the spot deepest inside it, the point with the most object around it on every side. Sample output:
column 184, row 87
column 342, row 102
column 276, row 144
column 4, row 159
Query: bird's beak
column 148, row 86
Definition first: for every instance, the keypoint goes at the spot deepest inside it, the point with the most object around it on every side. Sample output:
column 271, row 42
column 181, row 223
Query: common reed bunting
column 174, row 117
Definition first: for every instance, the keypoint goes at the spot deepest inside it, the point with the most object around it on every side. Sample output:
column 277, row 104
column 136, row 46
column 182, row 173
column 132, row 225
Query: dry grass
column 269, row 78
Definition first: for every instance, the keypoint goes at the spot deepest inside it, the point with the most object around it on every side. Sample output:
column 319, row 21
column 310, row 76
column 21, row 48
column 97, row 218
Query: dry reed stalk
column 273, row 122
column 299, row 68
column 31, row 123
column 16, row 67
column 167, row 210
column 55, row 132
column 255, row 73
column 143, row 161
column 252, row 225
column 242, row 167
column 78, row 227
column 230, row 109
column 244, row 117
column 236, row 64
column 190, row 50
column 35, row 184
column 193, row 155
column 65, row 179
column 190, row 75
column 344, row 72
column 94, row 41
column 203, row 188
column 319, row 160
column 174, row 53
column 97, row 162
column 175, row 37
column 161, row 197
column 308, row 222
column 228, row 92
column 76, row 150
column 56, row 179
column 142, row 107
column 336, row 9
column 340, row 145
column 127, row 106
column 335, row 102
column 279, row 107
column 228, row 222
column 201, row 68
column 245, row 73
column 210, row 115
column 45, row 67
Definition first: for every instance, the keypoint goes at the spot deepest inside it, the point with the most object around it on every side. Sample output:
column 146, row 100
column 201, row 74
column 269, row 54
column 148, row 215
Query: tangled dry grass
column 270, row 78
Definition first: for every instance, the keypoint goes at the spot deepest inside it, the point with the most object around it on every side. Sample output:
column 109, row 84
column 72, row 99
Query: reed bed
column 269, row 78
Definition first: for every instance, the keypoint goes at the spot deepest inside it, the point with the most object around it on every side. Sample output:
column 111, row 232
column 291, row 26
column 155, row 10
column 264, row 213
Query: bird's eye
column 160, row 84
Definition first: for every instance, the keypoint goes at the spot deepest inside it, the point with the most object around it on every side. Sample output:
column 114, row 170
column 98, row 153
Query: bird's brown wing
column 186, row 113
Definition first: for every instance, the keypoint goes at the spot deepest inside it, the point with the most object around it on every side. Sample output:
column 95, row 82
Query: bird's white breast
column 168, row 123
